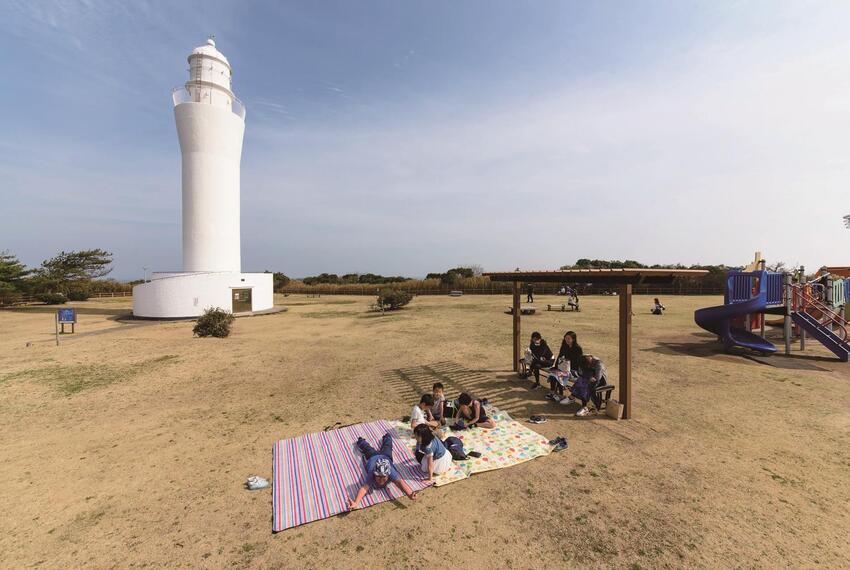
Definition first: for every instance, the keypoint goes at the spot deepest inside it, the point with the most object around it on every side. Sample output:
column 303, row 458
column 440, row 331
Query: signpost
column 66, row 317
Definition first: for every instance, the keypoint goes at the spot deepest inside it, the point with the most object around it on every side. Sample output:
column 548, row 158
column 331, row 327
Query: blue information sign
column 67, row 316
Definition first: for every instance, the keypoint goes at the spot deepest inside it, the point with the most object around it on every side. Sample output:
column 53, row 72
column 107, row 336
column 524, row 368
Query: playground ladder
column 822, row 333
column 821, row 329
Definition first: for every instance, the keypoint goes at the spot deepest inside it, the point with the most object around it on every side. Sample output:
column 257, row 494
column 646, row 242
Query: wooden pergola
column 622, row 279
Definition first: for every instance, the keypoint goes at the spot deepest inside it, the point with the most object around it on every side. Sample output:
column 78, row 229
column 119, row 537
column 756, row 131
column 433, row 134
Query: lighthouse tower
column 210, row 127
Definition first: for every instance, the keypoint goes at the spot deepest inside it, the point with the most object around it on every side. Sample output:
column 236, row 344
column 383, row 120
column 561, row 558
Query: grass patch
column 80, row 523
column 329, row 314
column 316, row 303
column 778, row 478
column 74, row 378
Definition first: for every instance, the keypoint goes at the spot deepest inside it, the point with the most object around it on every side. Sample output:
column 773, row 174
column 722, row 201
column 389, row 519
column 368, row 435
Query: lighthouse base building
column 210, row 126
column 187, row 295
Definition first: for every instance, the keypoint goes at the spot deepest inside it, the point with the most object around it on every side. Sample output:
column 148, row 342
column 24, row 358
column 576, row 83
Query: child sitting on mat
column 432, row 454
column 421, row 413
column 379, row 469
column 472, row 412
column 438, row 409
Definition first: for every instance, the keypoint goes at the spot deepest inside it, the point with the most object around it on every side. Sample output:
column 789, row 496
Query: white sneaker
column 255, row 483
column 582, row 412
column 567, row 401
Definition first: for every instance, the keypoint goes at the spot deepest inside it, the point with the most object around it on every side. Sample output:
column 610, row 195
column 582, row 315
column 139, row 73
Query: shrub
column 52, row 298
column 280, row 281
column 8, row 296
column 214, row 322
column 78, row 295
column 391, row 299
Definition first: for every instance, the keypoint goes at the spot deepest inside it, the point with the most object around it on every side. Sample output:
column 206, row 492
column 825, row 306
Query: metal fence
column 502, row 289
column 34, row 299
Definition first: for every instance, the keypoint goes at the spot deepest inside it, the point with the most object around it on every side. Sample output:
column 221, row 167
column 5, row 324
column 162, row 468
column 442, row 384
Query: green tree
column 82, row 265
column 280, row 280
column 12, row 271
column 453, row 276
column 12, row 275
column 71, row 271
column 585, row 263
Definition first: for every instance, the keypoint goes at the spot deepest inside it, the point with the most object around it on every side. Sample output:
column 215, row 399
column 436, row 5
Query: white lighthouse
column 210, row 127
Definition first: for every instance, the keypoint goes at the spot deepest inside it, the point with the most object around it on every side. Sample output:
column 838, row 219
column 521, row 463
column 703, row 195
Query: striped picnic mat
column 314, row 474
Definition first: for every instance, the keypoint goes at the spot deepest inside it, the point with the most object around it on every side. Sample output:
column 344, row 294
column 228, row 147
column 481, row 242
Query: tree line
column 68, row 276
column 76, row 275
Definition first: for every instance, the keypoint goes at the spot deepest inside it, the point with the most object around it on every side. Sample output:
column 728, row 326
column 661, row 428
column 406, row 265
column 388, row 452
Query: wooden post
column 801, row 329
column 786, row 323
column 626, row 350
column 516, row 325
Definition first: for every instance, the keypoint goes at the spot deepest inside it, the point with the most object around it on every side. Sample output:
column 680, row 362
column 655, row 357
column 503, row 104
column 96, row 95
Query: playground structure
column 815, row 309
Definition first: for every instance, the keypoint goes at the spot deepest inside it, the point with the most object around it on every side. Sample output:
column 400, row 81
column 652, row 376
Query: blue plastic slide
column 718, row 320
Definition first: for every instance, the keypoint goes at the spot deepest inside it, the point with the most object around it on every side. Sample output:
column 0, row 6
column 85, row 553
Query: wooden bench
column 522, row 310
column 563, row 307
column 603, row 392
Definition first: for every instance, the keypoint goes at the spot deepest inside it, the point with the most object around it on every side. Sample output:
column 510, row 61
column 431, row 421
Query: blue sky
column 409, row 137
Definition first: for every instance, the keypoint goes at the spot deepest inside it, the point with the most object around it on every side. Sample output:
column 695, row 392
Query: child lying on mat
column 379, row 469
column 432, row 454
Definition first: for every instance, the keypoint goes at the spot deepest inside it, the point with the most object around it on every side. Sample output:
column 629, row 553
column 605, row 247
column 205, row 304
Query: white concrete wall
column 211, row 145
column 180, row 295
column 263, row 290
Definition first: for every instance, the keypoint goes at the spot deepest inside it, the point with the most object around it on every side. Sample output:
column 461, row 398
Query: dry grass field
column 127, row 446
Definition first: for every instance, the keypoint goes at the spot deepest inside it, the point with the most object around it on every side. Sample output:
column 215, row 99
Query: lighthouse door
column 241, row 300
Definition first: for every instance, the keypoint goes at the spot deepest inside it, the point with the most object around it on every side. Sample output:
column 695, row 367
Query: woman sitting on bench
column 570, row 352
column 592, row 376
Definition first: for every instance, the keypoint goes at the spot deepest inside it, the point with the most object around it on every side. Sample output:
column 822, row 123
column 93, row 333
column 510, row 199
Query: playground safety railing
column 839, row 298
column 740, row 287
column 774, row 288
column 804, row 300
